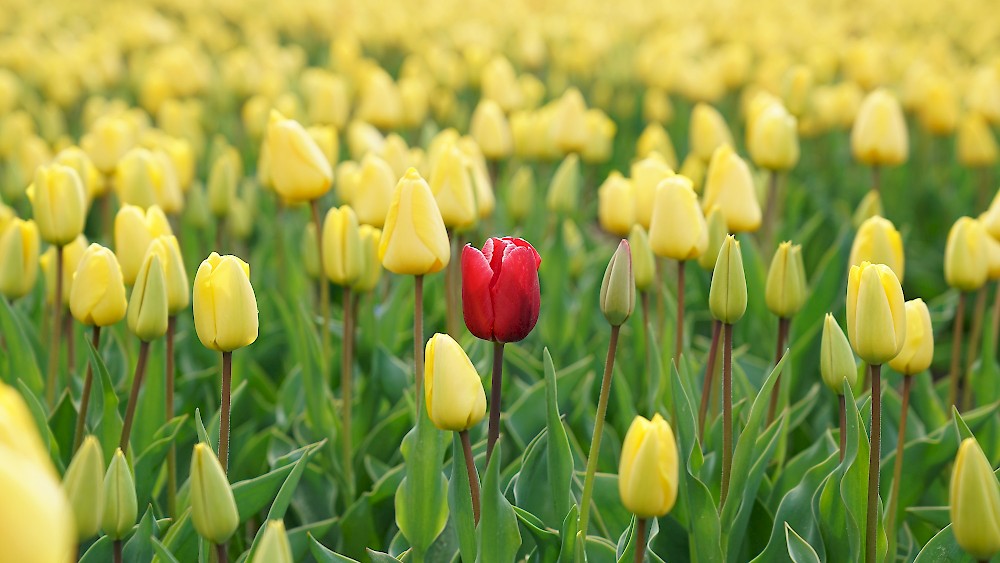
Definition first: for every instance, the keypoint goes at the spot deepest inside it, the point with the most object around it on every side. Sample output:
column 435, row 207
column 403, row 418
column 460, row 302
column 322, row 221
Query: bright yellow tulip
column 225, row 307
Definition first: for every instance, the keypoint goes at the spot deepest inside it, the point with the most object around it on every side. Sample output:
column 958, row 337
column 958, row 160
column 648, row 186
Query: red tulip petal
column 477, row 303
column 516, row 298
column 525, row 244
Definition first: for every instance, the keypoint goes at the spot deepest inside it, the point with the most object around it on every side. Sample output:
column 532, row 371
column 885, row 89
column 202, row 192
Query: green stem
column 727, row 411
column 874, row 461
column 877, row 179
column 645, row 386
column 706, row 390
column 470, row 468
column 133, row 399
column 50, row 390
column 346, row 388
column 418, row 338
column 324, row 285
column 897, row 470
column 169, row 407
column 979, row 312
column 88, row 382
column 227, row 385
column 679, row 336
column 496, row 386
column 783, row 324
column 595, row 441
column 956, row 351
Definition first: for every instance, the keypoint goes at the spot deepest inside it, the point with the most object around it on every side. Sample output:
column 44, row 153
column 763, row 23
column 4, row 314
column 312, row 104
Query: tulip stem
column 647, row 345
column 70, row 345
column 783, row 324
column 470, row 468
column 996, row 317
column 418, row 339
column 222, row 553
column 769, row 224
column 956, row 351
column 50, row 391
column 116, row 550
column 706, row 390
column 877, row 179
column 897, row 471
column 324, row 286
column 169, row 407
column 227, row 384
column 346, row 389
column 133, row 399
column 595, row 441
column 640, row 540
column 495, row 397
column 88, row 381
column 679, row 336
column 843, row 425
column 874, row 459
column 973, row 352
column 727, row 411
column 451, row 288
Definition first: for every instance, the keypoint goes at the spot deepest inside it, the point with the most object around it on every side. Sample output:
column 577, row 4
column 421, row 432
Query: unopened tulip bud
column 939, row 106
column 148, row 306
column 213, row 507
column 341, row 246
column 169, row 251
column 708, row 131
column 787, row 288
column 643, row 261
column 654, row 138
column 453, row 390
column 918, row 349
column 878, row 242
column 19, row 247
column 413, row 211
column 451, row 185
column 677, row 227
column 974, row 502
column 371, row 266
column 569, row 124
column 717, row 231
column 876, row 314
column 836, row 358
column 774, row 140
column 729, row 185
column 97, row 297
column 77, row 159
column 120, row 505
column 138, row 178
column 647, row 472
column 499, row 83
column 381, row 102
column 521, row 194
column 870, row 206
column 966, row 262
column 396, row 154
column 481, row 183
column 564, row 191
column 879, row 136
column 223, row 179
column 976, row 145
column 274, row 546
column 373, row 196
column 727, row 297
column 58, row 203
column 646, row 176
column 490, row 129
column 107, row 142
column 225, row 307
column 135, row 229
column 616, row 204
column 84, row 485
column 618, row 287
column 601, row 131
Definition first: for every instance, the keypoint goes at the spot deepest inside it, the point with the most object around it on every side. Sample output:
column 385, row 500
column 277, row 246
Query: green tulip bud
column 836, row 358
column 521, row 194
column 213, row 508
column 870, row 206
column 274, row 546
column 83, row 484
column 716, row 236
column 643, row 263
column 975, row 502
column 148, row 311
column 564, row 191
column 120, row 505
column 786, row 288
column 618, row 287
column 727, row 297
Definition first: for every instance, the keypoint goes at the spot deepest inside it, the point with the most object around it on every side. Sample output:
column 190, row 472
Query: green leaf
column 943, row 549
column 379, row 557
column 38, row 414
column 547, row 542
column 559, row 457
column 99, row 552
column 162, row 552
column 844, row 496
column 568, row 533
column 111, row 420
column 799, row 549
column 421, row 500
column 499, row 537
column 139, row 547
column 149, row 463
column 323, row 555
column 22, row 364
column 460, row 502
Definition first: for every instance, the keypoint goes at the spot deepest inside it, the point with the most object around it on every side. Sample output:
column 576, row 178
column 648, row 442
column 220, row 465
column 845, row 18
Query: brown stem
column 640, row 540
column 769, row 224
column 227, row 384
column 783, row 324
column 983, row 195
column 324, row 286
column 346, row 389
column 418, row 337
column 956, row 351
column 843, row 425
column 70, row 345
column 50, row 391
column 874, row 460
column 679, row 336
column 495, row 397
column 133, row 399
column 222, row 553
column 706, row 390
column 470, row 468
column 876, row 179
column 169, row 408
column 979, row 311
column 116, row 550
column 897, row 470
column 88, row 382
column 727, row 411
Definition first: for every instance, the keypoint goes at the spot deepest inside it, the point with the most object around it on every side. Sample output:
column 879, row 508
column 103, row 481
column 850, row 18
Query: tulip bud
column 974, row 499
column 363, row 138
column 75, row 158
column 147, row 307
column 499, row 84
column 341, row 246
column 939, row 107
column 976, row 146
column 135, row 229
column 223, row 179
column 677, row 228
column 878, row 242
column 396, row 154
column 58, row 203
column 729, row 185
column 182, row 157
column 521, row 194
column 966, row 262
column 213, row 508
column 120, row 505
column 727, row 297
column 72, row 254
column 836, row 359
column 564, row 191
column 876, row 315
column 381, row 102
column 19, row 246
column 694, row 168
column 879, row 136
column 500, row 291
column 717, row 231
column 273, row 546
column 918, row 348
column 983, row 93
column 107, row 142
column 601, row 131
column 138, row 178
column 453, row 390
column 490, row 129
column 870, row 206
column 787, row 288
column 616, row 204
column 451, row 185
column 618, row 287
column 373, row 196
column 646, row 176
column 654, row 138
column 773, row 139
column 169, row 251
column 414, row 241
column 83, row 485
column 569, row 126
column 169, row 195
column 708, row 131
column 643, row 263
column 647, row 472
column 37, row 519
column 97, row 297
column 481, row 184
column 371, row 267
column 225, row 307
column 993, row 258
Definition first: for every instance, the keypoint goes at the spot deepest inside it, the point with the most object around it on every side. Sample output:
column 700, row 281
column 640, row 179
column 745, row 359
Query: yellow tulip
column 451, row 184
column 120, row 504
column 727, row 296
column 36, row 521
column 299, row 169
column 97, row 297
column 363, row 138
column 274, row 546
column 976, row 145
column 169, row 195
column 729, row 186
column 225, row 307
column 19, row 247
column 500, row 84
column 836, row 358
column 647, row 472
column 223, row 179
column 716, row 226
column 654, row 138
column 643, row 262
column 169, row 251
column 148, row 306
column 878, row 242
column 414, row 241
column 491, row 131
column 569, row 123
column 918, row 349
column 694, row 169
column 396, row 154
column 879, row 136
column 77, row 159
column 876, row 315
column 371, row 267
column 107, row 142
column 348, row 175
column 601, row 131
column 787, row 288
column 134, row 230
column 939, row 106
column 677, row 229
column 616, row 204
column 381, row 102
column 72, row 254
column 966, row 262
column 656, row 106
column 453, row 391
column 983, row 92
column 773, row 139
column 373, row 193
column 481, row 183
column 18, row 431
column 58, row 203
column 974, row 502
column 213, row 507
column 708, row 131
column 83, row 485
column 341, row 246
column 182, row 156
column 327, row 100
column 564, row 190
column 415, row 99
column 646, row 175
column 138, row 178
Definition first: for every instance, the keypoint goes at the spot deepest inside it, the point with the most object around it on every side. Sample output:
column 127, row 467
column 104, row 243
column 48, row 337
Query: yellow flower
column 371, row 267
column 564, row 191
column 729, row 186
column 654, row 138
column 453, row 390
column 373, row 195
column 380, row 102
column 134, row 230
column 521, row 194
column 876, row 315
column 19, row 247
column 414, row 241
column 727, row 296
column 717, row 231
column 787, row 288
column 974, row 500
column 918, row 349
column 98, row 293
column 643, row 265
column 341, row 246
column 169, row 251
column 83, row 485
column 601, row 131
column 976, row 146
column 500, row 84
column 647, row 472
column 225, row 308
column 878, row 242
column 708, row 131
column 616, row 204
column 58, row 203
column 836, row 359
column 213, row 507
column 299, row 169
column 36, row 521
column 77, row 159
column 396, row 154
column 677, row 229
column 223, row 179
column 415, row 99
column 491, row 131
column 966, row 261
column 451, row 184
column 274, row 546
column 120, row 504
column 879, row 136
column 72, row 254
column 646, row 175
column 694, row 168
column 148, row 307
column 110, row 137
column 481, row 184
column 656, row 106
column 569, row 123
column 939, row 106
column 773, row 139
column 138, row 178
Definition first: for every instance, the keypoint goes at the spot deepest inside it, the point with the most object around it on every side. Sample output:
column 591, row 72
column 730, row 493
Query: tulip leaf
column 547, row 543
column 21, row 361
column 943, row 548
column 298, row 538
column 324, row 555
column 139, row 547
column 161, row 551
column 111, row 421
column 559, row 456
column 568, row 535
column 843, row 499
column 379, row 557
column 799, row 549
column 421, row 500
column 149, row 463
column 499, row 537
column 99, row 552
column 627, row 542
column 181, row 539
column 203, row 436
column 460, row 502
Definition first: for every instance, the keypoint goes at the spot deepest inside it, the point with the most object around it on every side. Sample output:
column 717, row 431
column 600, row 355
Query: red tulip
column 500, row 293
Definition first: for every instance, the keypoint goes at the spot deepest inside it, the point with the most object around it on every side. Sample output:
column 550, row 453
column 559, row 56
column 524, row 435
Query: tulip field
column 561, row 281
